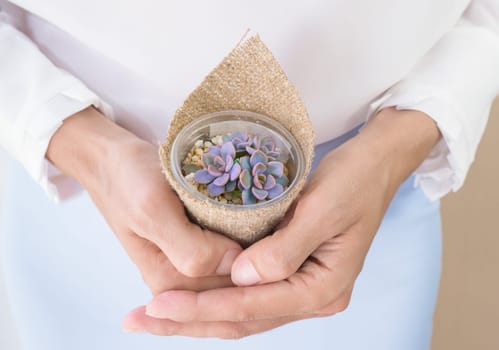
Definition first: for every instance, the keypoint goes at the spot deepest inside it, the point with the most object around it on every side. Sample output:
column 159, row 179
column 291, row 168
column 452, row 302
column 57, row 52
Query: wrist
column 401, row 140
column 84, row 144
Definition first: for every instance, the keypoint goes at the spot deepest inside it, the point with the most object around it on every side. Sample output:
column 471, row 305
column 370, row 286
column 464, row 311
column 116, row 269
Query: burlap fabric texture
column 251, row 79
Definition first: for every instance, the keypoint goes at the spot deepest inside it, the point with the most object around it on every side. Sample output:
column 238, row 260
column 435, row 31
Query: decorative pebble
column 199, row 152
column 190, row 180
column 217, row 140
column 198, row 143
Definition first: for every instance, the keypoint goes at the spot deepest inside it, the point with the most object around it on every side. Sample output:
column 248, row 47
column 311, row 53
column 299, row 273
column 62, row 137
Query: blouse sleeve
column 455, row 84
column 35, row 98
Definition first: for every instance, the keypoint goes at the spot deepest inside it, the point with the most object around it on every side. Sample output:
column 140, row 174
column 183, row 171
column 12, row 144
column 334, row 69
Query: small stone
column 198, row 143
column 195, row 158
column 190, row 168
column 190, row 180
column 199, row 152
column 208, row 144
column 204, row 192
column 217, row 140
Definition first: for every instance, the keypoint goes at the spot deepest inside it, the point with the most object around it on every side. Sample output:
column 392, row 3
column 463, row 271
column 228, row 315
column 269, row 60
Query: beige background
column 467, row 315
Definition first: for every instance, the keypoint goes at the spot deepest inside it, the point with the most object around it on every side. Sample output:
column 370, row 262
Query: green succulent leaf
column 248, row 197
column 190, row 168
column 245, row 162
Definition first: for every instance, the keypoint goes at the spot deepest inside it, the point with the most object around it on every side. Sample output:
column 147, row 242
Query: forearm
column 400, row 139
column 85, row 142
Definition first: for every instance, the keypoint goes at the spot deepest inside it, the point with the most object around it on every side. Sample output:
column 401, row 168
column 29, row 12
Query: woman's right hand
column 122, row 175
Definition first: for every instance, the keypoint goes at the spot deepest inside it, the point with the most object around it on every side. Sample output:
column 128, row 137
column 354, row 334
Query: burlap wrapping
column 249, row 78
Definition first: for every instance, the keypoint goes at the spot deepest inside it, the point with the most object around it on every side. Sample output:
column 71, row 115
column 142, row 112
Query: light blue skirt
column 70, row 283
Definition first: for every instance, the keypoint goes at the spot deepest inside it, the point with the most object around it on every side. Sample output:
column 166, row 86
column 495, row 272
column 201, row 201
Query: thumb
column 197, row 252
column 275, row 257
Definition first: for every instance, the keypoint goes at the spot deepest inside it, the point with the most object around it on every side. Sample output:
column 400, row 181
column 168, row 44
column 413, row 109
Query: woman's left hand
column 308, row 267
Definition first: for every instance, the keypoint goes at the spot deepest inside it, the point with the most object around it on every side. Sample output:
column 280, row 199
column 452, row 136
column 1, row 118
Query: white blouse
column 138, row 61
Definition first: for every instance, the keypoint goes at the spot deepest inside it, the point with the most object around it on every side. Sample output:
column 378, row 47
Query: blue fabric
column 70, row 282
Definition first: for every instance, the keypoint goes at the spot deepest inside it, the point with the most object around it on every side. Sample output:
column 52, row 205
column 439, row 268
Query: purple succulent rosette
column 243, row 142
column 248, row 165
column 221, row 171
column 261, row 179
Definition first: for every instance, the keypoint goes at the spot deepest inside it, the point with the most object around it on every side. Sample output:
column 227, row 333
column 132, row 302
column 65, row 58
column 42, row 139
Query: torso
column 340, row 54
column 144, row 58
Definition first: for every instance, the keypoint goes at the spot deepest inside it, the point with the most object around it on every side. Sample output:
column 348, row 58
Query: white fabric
column 455, row 84
column 35, row 97
column 342, row 56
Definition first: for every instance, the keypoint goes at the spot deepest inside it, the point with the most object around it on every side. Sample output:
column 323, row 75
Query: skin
column 307, row 268
column 122, row 175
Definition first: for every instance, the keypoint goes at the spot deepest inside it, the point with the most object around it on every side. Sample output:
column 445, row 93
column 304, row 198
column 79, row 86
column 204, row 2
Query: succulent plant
column 244, row 142
column 239, row 140
column 261, row 178
column 220, row 171
column 250, row 164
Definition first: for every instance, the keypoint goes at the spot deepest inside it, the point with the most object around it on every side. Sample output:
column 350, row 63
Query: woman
column 422, row 73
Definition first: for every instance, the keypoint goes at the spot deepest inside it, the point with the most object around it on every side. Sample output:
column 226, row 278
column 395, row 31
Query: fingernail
column 245, row 273
column 152, row 309
column 226, row 264
column 133, row 330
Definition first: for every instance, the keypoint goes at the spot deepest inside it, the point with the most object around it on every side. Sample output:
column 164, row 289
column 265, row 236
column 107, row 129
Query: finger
column 137, row 321
column 300, row 294
column 278, row 256
column 195, row 252
column 157, row 271
column 340, row 304
column 327, row 275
